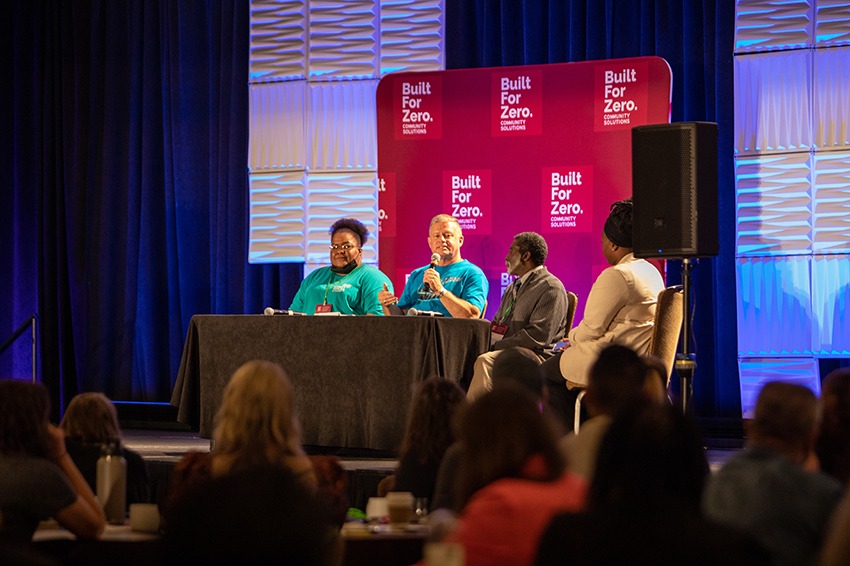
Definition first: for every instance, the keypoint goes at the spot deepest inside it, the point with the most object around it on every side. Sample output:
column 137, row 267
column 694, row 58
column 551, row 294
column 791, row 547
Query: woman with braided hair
column 620, row 310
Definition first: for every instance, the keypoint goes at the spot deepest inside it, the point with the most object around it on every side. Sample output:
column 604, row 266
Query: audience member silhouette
column 643, row 503
column 256, row 426
column 512, row 479
column 259, row 515
column 38, row 479
column 427, row 436
column 833, row 443
column 516, row 365
column 836, row 545
column 90, row 421
column 618, row 378
column 765, row 490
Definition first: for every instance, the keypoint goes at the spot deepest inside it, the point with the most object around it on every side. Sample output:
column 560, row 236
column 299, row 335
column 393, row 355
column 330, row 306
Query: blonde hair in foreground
column 256, row 424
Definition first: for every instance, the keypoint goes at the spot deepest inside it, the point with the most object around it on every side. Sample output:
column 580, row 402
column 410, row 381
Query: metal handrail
column 31, row 321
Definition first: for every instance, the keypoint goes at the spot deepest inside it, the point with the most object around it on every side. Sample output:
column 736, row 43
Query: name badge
column 497, row 331
column 324, row 308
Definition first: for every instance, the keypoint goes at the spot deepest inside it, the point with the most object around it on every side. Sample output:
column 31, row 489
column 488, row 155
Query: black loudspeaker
column 674, row 189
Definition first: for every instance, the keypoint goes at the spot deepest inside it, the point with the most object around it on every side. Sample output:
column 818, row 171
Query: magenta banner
column 542, row 148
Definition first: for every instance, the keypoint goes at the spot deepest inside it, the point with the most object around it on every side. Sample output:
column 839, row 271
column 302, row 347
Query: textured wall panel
column 278, row 217
column 342, row 126
column 772, row 24
column 343, row 39
column 831, row 196
column 336, row 195
column 831, row 305
column 832, row 22
column 774, row 306
column 756, row 372
column 773, row 102
column 774, row 204
column 278, row 40
column 412, row 36
column 277, row 113
column 831, row 97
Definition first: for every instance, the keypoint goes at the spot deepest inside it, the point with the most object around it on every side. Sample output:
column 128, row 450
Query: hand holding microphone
column 430, row 277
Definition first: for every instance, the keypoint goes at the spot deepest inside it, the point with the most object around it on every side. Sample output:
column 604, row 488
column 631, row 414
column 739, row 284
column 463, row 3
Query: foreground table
column 388, row 548
column 353, row 376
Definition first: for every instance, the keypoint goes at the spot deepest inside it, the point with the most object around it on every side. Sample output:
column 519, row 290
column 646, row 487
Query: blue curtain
column 696, row 37
column 124, row 180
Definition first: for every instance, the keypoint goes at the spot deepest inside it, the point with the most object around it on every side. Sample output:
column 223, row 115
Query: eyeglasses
column 343, row 247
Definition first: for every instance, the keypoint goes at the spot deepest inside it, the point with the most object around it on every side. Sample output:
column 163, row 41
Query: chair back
column 572, row 302
column 668, row 326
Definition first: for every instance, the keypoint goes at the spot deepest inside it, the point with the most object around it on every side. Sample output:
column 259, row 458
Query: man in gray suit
column 533, row 311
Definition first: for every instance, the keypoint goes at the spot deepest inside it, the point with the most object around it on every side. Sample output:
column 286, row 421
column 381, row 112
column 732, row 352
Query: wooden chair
column 667, row 326
column 669, row 313
column 572, row 302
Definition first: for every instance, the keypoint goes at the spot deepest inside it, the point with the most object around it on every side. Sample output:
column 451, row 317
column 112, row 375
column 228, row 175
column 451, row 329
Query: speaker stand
column 685, row 360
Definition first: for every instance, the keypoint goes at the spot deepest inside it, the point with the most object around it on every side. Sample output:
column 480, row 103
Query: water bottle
column 112, row 482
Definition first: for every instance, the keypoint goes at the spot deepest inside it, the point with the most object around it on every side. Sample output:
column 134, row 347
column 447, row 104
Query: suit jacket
column 538, row 319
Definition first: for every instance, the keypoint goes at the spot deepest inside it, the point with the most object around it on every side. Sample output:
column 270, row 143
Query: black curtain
column 696, row 37
column 124, row 180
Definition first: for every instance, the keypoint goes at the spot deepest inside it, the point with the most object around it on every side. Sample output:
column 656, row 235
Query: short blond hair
column 444, row 218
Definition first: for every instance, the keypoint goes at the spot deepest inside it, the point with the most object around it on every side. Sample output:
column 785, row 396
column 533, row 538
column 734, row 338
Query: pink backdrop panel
column 544, row 148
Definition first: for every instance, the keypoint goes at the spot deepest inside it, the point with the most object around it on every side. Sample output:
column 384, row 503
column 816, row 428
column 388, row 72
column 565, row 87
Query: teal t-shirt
column 355, row 293
column 462, row 279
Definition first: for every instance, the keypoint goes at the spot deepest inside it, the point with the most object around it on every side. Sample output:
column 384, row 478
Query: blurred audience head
column 651, row 453
column 24, row 413
column 655, row 384
column 429, row 422
column 620, row 377
column 91, row 418
column 519, row 366
column 833, row 442
column 785, row 420
column 500, row 433
column 256, row 423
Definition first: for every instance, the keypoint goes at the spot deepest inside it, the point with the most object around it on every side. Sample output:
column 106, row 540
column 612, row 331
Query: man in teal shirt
column 346, row 286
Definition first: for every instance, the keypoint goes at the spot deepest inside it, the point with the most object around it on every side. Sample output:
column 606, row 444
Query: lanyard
column 510, row 307
column 327, row 288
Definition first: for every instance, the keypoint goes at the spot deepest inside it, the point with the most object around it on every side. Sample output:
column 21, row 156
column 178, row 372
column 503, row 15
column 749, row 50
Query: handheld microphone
column 435, row 259
column 269, row 311
column 416, row 312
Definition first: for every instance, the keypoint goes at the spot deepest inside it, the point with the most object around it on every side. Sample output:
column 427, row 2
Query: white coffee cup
column 376, row 508
column 400, row 507
column 144, row 517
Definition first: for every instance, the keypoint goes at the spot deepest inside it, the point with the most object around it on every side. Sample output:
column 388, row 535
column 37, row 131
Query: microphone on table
column 435, row 259
column 269, row 311
column 416, row 312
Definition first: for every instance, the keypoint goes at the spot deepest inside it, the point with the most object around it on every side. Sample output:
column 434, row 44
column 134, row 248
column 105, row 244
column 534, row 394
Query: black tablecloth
column 353, row 376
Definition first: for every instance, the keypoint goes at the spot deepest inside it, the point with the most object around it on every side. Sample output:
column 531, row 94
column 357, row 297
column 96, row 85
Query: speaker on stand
column 674, row 191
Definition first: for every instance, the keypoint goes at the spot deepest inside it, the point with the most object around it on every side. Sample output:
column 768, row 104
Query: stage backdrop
column 544, row 148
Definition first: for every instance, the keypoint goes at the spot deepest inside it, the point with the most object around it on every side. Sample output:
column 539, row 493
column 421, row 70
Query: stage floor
column 170, row 446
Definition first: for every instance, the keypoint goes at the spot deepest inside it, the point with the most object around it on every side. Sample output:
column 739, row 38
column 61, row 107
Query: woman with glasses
column 347, row 286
